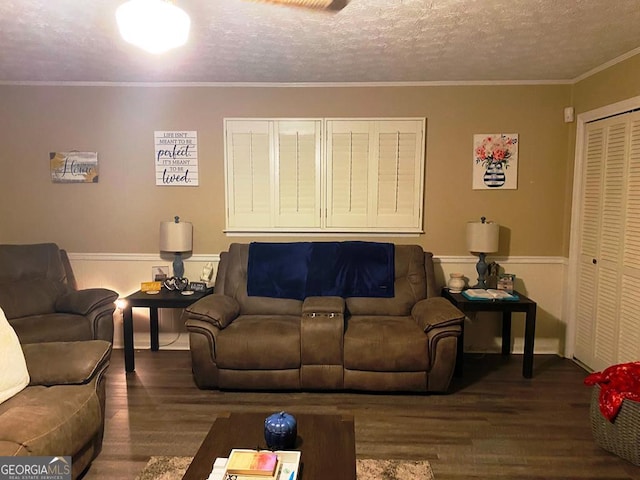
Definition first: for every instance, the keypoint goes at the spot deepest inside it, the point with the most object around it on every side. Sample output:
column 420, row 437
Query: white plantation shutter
column 248, row 168
column 348, row 164
column 375, row 175
column 608, row 299
column 297, row 157
column 398, row 200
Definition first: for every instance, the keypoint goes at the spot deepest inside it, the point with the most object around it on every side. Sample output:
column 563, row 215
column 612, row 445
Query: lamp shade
column 176, row 236
column 482, row 237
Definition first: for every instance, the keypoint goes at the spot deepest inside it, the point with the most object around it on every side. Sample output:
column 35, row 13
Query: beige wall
column 616, row 83
column 122, row 212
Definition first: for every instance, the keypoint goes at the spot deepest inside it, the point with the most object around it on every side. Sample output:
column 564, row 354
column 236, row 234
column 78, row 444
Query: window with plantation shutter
column 248, row 164
column 375, row 171
column 297, row 172
column 272, row 172
column 315, row 175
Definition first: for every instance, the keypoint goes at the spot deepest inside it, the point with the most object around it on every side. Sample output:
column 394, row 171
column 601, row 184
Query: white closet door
column 610, row 249
column 629, row 324
column 608, row 283
column 594, row 149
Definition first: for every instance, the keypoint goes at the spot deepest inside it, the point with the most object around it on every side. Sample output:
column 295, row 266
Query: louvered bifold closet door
column 608, row 288
column 349, row 144
column 248, row 174
column 629, row 323
column 609, row 256
column 594, row 148
column 297, row 172
column 398, row 175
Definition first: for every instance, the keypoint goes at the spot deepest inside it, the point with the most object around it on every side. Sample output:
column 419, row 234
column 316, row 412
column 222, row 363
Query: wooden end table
column 326, row 442
column 524, row 304
column 164, row 299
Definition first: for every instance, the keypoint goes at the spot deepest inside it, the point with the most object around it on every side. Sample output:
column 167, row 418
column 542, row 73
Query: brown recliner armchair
column 61, row 412
column 404, row 343
column 39, row 296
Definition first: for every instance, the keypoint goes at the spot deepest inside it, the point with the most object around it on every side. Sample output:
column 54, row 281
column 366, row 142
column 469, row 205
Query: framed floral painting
column 495, row 161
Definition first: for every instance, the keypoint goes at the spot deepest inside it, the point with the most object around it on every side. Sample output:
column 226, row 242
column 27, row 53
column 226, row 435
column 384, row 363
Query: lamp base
column 481, row 268
column 178, row 266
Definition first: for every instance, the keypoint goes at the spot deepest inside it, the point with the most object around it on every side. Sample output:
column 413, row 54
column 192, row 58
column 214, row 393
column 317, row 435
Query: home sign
column 73, row 167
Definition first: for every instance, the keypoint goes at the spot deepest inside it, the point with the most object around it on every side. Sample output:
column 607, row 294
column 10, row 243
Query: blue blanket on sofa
column 303, row 269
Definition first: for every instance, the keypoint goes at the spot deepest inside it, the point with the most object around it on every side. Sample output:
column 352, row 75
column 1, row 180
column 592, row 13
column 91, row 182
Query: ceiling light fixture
column 153, row 25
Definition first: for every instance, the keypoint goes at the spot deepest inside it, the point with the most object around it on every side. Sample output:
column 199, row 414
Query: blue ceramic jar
column 280, row 431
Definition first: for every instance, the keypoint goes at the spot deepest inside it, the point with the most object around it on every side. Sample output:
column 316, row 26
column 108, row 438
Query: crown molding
column 604, row 66
column 452, row 83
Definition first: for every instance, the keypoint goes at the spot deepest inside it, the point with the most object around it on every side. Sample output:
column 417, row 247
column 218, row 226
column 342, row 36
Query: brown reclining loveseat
column 404, row 343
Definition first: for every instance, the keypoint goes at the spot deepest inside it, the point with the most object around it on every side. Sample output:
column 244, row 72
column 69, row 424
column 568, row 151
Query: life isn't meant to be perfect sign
column 176, row 158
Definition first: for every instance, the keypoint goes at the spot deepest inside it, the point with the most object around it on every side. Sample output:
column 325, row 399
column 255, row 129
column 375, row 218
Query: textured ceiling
column 366, row 41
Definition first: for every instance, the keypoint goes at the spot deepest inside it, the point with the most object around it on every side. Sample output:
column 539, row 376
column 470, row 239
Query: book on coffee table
column 287, row 469
column 251, row 462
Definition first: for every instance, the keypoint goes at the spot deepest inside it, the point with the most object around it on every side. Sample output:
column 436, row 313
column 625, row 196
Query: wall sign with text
column 73, row 167
column 176, row 158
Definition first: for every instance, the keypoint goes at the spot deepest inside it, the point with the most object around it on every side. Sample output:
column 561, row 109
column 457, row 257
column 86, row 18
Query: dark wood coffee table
column 327, row 443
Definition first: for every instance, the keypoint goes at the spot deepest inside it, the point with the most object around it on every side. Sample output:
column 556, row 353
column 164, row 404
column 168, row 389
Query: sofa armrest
column 85, row 302
column 436, row 312
column 96, row 305
column 218, row 310
column 323, row 305
column 65, row 363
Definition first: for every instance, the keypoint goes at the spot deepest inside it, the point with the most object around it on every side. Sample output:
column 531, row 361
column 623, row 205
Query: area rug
column 173, row 468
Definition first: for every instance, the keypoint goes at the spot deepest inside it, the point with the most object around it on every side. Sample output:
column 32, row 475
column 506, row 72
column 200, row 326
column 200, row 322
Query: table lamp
column 482, row 238
column 176, row 237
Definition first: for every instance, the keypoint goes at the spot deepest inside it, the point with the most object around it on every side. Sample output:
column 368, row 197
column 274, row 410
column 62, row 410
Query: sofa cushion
column 260, row 342
column 53, row 327
column 385, row 344
column 56, row 420
column 236, row 286
column 66, row 363
column 26, row 262
column 33, row 272
column 36, row 296
column 410, row 286
column 15, row 376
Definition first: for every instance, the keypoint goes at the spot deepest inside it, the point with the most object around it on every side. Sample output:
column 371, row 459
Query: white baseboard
column 543, row 346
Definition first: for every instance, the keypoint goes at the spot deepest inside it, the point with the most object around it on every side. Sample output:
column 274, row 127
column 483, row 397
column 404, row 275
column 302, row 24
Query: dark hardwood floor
column 493, row 425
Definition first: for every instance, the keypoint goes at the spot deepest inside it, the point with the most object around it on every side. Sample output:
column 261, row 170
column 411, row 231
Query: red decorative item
column 617, row 383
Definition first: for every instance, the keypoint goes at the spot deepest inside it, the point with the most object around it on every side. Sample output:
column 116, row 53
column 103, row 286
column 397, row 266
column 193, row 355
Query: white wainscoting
column 540, row 278
column 123, row 273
